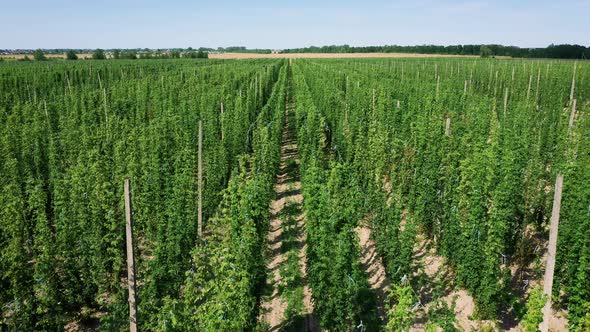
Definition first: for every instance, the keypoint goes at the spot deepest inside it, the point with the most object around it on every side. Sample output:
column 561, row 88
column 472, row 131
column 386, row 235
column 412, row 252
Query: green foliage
column 99, row 54
column 341, row 293
column 472, row 193
column 585, row 321
column 221, row 287
column 130, row 55
column 39, row 55
column 534, row 310
column 400, row 313
column 202, row 55
column 71, row 55
column 564, row 51
column 70, row 133
column 65, row 187
column 485, row 52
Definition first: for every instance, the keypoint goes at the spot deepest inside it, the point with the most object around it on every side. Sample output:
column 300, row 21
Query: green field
column 448, row 160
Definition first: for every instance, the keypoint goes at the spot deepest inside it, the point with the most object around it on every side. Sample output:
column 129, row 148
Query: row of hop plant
column 465, row 152
column 222, row 287
column 70, row 134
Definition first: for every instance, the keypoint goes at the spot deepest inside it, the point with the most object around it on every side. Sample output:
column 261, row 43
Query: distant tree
column 39, row 55
column 485, row 52
column 99, row 54
column 202, row 55
column 71, row 55
column 116, row 54
column 131, row 55
column 175, row 54
column 190, row 55
column 148, row 55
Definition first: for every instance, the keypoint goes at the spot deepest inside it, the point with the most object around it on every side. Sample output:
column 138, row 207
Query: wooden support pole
column 573, row 83
column 505, row 100
column 437, row 85
column 200, row 180
column 551, row 252
column 572, row 117
column 69, row 85
column 448, row 127
column 537, row 89
column 130, row 259
column 221, row 121
column 528, row 91
column 46, row 112
column 106, row 117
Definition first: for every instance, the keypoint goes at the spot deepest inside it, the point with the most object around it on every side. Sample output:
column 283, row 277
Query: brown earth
column 435, row 269
column 288, row 190
column 372, row 265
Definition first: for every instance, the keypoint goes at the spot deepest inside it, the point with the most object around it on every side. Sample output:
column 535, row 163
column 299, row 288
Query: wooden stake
column 437, row 85
column 572, row 117
column 573, row 83
column 537, row 90
column 528, row 91
column 106, row 118
column 505, row 100
column 47, row 113
column 200, row 180
column 221, row 121
column 69, row 86
column 448, row 127
column 130, row 259
column 552, row 249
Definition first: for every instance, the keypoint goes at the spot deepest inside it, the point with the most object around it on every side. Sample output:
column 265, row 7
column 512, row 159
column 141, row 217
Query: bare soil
column 288, row 191
column 436, row 270
column 371, row 263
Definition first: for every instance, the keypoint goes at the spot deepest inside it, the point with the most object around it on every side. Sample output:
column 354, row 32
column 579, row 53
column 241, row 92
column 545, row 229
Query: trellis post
column 200, row 181
column 130, row 259
column 551, row 252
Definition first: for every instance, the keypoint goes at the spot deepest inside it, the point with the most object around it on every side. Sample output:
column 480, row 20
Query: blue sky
column 286, row 24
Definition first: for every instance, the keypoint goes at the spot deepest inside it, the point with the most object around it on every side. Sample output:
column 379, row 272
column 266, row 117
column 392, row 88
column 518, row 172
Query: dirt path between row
column 373, row 267
column 288, row 204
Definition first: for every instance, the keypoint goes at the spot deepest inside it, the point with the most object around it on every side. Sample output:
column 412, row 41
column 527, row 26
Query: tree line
column 564, row 51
